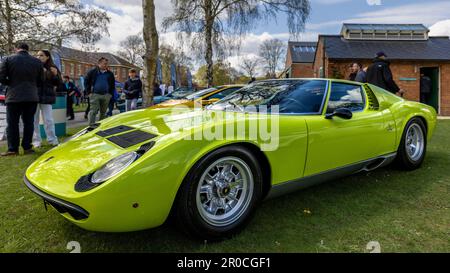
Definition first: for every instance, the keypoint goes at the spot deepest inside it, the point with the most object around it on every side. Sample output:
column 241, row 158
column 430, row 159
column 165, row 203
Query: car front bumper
column 76, row 212
column 94, row 212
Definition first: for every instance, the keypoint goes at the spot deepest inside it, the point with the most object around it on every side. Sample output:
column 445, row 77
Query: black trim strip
column 305, row 182
column 78, row 213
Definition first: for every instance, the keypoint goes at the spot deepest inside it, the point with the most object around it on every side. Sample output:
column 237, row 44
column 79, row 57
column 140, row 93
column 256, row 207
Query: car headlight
column 113, row 167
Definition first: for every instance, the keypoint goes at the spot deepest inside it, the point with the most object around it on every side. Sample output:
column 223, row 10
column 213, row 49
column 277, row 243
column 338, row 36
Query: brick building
column 76, row 63
column 408, row 47
column 300, row 60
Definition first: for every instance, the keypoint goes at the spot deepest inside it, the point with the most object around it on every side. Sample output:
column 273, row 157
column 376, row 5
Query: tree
column 50, row 22
column 223, row 74
column 208, row 22
column 132, row 49
column 272, row 52
column 249, row 65
column 151, row 40
column 168, row 56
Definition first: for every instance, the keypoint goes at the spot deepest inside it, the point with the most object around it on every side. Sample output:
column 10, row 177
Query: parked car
column 202, row 98
column 179, row 93
column 131, row 171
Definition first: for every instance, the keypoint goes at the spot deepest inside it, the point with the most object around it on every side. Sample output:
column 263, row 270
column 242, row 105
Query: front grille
column 77, row 212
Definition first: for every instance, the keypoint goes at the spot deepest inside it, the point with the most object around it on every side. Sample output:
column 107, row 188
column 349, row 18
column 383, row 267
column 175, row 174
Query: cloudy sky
column 326, row 17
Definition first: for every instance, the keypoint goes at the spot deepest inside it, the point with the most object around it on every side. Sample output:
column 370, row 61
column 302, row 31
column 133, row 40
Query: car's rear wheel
column 219, row 194
column 412, row 149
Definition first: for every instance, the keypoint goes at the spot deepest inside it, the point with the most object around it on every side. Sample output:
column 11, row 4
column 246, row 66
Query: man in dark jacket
column 99, row 84
column 132, row 90
column 379, row 74
column 24, row 76
column 70, row 89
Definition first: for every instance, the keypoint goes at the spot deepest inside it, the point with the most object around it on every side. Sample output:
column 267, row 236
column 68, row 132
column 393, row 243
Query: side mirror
column 340, row 112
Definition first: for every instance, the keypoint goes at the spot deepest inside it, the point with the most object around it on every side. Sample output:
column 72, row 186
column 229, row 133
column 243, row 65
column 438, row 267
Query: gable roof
column 433, row 49
column 93, row 57
column 302, row 52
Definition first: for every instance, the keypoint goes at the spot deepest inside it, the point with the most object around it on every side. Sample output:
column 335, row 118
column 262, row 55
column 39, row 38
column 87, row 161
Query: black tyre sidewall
column 403, row 160
column 187, row 216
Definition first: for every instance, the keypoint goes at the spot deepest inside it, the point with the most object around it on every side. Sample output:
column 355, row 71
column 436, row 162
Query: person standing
column 47, row 97
column 70, row 89
column 357, row 73
column 156, row 90
column 380, row 74
column 163, row 89
column 132, row 89
column 24, row 76
column 100, row 85
column 170, row 89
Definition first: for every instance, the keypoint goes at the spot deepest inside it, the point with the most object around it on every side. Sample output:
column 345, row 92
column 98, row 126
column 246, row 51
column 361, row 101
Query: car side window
column 345, row 95
column 306, row 98
column 223, row 93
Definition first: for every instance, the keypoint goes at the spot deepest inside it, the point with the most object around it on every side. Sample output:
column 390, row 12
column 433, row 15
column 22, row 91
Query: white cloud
column 426, row 13
column 127, row 19
column 330, row 2
column 441, row 28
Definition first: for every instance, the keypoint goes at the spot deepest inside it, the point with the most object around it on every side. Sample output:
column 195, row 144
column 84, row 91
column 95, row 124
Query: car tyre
column 413, row 145
column 219, row 195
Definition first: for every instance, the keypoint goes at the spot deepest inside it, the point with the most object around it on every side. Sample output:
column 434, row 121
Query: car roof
column 313, row 79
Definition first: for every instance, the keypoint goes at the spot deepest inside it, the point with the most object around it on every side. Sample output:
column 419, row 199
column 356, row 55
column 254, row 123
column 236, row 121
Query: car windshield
column 291, row 96
column 200, row 93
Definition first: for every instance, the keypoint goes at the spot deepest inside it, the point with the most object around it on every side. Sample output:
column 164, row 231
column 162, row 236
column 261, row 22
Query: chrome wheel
column 415, row 142
column 224, row 191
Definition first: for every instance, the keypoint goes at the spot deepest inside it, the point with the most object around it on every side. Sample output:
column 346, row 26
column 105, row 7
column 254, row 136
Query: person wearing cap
column 380, row 74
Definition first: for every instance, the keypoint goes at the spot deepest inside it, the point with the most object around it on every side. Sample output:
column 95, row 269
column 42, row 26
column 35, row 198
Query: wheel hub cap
column 224, row 191
column 415, row 142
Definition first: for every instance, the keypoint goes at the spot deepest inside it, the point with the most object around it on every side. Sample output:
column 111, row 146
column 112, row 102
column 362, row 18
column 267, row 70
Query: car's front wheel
column 413, row 146
column 219, row 194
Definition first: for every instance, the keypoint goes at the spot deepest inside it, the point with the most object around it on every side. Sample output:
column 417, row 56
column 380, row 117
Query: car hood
column 58, row 170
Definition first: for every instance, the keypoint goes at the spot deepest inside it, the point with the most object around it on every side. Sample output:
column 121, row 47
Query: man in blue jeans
column 100, row 84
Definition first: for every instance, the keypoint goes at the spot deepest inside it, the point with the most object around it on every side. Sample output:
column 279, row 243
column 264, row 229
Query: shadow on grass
column 339, row 205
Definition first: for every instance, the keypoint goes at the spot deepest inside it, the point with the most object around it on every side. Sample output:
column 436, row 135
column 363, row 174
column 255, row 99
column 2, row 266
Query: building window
column 63, row 68
column 80, row 72
column 72, row 70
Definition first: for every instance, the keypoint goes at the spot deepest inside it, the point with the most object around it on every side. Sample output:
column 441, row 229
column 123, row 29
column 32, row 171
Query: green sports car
column 210, row 168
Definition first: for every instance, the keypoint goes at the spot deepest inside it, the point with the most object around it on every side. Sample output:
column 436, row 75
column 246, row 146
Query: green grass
column 403, row 211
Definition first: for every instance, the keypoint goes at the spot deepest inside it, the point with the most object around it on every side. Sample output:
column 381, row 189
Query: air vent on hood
column 114, row 131
column 130, row 139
